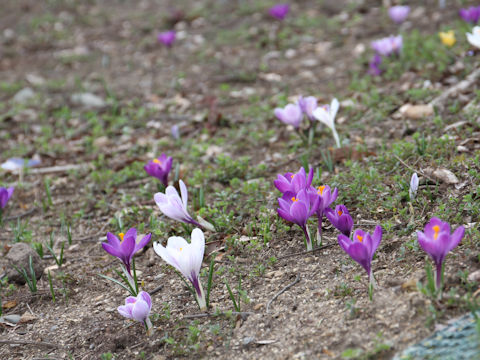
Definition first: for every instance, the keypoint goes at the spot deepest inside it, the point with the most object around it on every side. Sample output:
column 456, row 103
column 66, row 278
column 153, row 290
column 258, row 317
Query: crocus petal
column 285, row 215
column 334, row 106
column 184, row 192
column 282, row 184
column 359, row 253
column 198, row 247
column 145, row 297
column 298, row 211
column 113, row 240
column 130, row 300
column 131, row 233
column 141, row 244
column 456, row 237
column 322, row 115
column 140, row 310
column 114, row 251
column 376, row 238
column 125, row 310
column 344, row 242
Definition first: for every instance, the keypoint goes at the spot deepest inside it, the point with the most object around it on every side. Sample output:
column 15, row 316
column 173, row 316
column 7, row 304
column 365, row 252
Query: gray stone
column 23, row 95
column 19, row 256
column 88, row 100
column 12, row 318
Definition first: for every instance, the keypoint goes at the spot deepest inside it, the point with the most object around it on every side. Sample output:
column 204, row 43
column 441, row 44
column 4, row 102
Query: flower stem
column 148, row 326
column 438, row 276
column 319, row 231
column 307, row 238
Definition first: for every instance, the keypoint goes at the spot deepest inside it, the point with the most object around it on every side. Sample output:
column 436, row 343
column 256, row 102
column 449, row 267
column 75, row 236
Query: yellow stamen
column 339, row 212
column 156, row 161
column 180, row 249
column 360, row 238
column 436, row 229
column 121, row 235
column 291, row 176
column 320, row 190
column 294, row 199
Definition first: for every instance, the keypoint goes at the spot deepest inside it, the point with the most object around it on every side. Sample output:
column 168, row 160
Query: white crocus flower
column 474, row 37
column 326, row 114
column 413, row 186
column 186, row 258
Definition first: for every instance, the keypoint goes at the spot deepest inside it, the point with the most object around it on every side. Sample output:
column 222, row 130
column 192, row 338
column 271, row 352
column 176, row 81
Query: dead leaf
column 27, row 317
column 10, row 304
column 443, row 175
column 416, row 111
column 410, row 285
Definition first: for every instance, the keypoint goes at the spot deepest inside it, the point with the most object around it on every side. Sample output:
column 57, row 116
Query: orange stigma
column 320, row 190
column 339, row 212
column 291, row 176
column 360, row 238
column 156, row 161
column 294, row 199
column 121, row 235
column 436, row 229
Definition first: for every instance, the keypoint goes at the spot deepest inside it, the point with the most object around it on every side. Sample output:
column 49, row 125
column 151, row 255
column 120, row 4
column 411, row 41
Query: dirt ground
column 231, row 65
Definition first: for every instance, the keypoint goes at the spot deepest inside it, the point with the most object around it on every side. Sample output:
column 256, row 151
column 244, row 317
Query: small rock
column 474, row 276
column 23, row 95
column 309, row 62
column 416, row 111
column 35, row 79
column 12, row 318
column 88, row 100
column 19, row 256
column 410, row 285
column 290, row 53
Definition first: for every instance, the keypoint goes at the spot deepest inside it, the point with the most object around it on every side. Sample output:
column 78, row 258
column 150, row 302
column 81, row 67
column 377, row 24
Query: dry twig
column 297, row 279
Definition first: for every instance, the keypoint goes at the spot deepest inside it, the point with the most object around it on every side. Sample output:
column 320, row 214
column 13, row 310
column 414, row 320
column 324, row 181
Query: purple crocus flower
column 174, row 206
column 279, row 11
column 160, row 168
column 138, row 308
column 308, row 105
column 297, row 208
column 388, row 45
column 126, row 247
column 437, row 241
column 398, row 13
column 290, row 115
column 5, row 195
column 471, row 14
column 291, row 182
column 327, row 197
column 362, row 247
column 341, row 219
column 167, row 38
column 374, row 65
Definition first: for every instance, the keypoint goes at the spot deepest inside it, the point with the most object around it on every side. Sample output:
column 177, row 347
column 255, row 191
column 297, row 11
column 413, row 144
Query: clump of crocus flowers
column 386, row 47
column 300, row 200
column 294, row 113
column 471, row 14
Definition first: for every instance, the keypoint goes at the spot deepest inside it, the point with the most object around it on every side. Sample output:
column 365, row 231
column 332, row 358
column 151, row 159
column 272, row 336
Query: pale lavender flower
column 326, row 114
column 398, row 13
column 374, row 65
column 388, row 45
column 138, row 308
column 290, row 115
column 173, row 206
column 308, row 105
